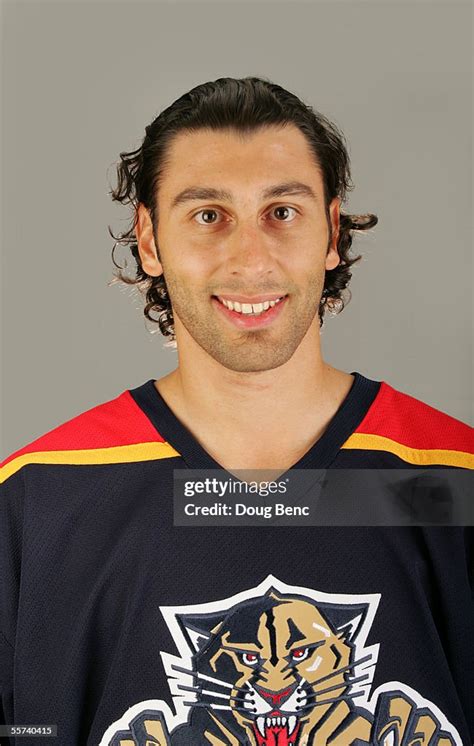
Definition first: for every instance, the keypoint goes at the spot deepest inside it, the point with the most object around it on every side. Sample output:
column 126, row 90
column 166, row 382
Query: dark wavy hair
column 242, row 105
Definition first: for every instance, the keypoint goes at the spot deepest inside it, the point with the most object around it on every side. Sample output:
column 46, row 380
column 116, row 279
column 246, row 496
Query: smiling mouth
column 250, row 309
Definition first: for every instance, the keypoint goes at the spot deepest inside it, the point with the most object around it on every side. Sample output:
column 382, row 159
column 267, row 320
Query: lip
column 244, row 321
column 248, row 299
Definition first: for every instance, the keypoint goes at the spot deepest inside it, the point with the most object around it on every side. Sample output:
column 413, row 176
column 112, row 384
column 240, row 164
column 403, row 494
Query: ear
column 349, row 630
column 198, row 629
column 332, row 257
column 146, row 243
column 345, row 619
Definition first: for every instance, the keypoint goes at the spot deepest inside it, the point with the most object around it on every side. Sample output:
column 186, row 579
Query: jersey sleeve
column 11, row 526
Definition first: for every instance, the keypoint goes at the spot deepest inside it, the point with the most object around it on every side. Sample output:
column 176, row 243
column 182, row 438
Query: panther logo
column 279, row 665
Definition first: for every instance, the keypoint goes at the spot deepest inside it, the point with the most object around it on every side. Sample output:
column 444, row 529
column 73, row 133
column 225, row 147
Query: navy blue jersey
column 119, row 627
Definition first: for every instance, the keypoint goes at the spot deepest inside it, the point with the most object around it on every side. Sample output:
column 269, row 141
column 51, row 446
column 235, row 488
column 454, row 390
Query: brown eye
column 208, row 217
column 283, row 212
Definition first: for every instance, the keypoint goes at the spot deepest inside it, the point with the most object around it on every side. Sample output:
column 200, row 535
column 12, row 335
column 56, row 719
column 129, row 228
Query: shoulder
column 113, row 431
column 413, row 431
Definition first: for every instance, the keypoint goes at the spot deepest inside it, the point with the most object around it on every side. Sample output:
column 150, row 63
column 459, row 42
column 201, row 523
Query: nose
column 276, row 699
column 250, row 251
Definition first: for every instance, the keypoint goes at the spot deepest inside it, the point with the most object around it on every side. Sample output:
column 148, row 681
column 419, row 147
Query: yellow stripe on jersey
column 113, row 455
column 418, row 456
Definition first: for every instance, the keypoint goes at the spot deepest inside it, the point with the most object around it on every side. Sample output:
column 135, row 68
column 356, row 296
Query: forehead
column 267, row 155
column 293, row 624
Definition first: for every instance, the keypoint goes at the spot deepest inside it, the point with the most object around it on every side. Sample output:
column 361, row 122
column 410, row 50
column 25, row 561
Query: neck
column 303, row 393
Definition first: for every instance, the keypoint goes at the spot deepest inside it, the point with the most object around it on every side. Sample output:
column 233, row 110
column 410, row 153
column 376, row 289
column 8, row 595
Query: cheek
column 182, row 252
column 314, row 664
column 187, row 267
column 306, row 250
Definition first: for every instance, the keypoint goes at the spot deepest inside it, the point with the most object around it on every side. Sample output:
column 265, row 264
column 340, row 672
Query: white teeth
column 268, row 722
column 247, row 308
column 261, row 725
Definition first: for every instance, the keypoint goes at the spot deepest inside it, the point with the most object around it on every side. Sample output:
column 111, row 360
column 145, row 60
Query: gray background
column 80, row 83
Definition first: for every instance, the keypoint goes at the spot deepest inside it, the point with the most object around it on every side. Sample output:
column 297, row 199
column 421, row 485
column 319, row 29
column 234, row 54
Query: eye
column 299, row 654
column 250, row 659
column 208, row 216
column 283, row 211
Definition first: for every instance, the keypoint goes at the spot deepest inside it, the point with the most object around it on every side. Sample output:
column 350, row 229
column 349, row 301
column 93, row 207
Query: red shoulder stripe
column 118, row 422
column 412, row 423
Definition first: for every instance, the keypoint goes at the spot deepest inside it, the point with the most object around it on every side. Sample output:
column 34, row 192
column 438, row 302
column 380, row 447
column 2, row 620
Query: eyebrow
column 278, row 190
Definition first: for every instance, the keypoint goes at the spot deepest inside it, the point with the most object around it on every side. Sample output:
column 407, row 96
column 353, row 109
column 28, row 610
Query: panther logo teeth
column 276, row 730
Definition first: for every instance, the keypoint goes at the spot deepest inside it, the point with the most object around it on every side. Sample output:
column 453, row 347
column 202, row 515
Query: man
column 129, row 619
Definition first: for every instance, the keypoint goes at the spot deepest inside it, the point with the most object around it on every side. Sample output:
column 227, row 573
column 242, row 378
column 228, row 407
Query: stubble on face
column 246, row 351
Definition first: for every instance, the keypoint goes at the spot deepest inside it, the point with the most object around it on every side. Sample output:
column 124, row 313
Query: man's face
column 224, row 235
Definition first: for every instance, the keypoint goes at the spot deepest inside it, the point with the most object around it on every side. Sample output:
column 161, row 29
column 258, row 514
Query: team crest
column 279, row 665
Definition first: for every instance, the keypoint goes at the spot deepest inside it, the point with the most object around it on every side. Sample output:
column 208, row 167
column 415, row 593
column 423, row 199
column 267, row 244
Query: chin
column 253, row 363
